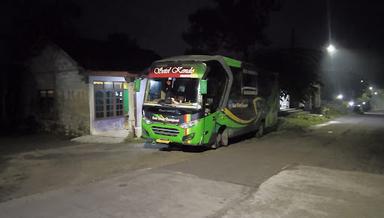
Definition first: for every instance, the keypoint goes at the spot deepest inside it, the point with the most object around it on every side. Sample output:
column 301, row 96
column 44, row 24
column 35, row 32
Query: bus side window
column 236, row 84
column 217, row 79
column 242, row 94
column 249, row 82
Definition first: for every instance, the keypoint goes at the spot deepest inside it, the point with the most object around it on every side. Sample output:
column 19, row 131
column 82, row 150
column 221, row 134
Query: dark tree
column 123, row 40
column 36, row 21
column 298, row 69
column 28, row 24
column 230, row 25
column 119, row 52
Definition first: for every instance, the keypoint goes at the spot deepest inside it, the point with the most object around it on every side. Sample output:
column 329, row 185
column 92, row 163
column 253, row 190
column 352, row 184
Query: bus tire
column 222, row 138
column 225, row 138
column 217, row 142
column 260, row 131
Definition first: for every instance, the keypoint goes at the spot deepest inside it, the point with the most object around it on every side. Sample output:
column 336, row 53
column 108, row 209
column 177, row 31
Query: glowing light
column 351, row 103
column 370, row 88
column 375, row 93
column 364, row 102
column 340, row 96
column 361, row 81
column 331, row 49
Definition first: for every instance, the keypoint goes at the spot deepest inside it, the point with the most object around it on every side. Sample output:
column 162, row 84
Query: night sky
column 354, row 24
column 158, row 24
column 357, row 27
column 356, row 30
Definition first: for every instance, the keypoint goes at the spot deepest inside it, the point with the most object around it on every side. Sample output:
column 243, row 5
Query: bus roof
column 201, row 58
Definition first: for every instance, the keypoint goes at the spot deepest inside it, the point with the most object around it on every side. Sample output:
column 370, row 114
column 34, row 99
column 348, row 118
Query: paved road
column 333, row 170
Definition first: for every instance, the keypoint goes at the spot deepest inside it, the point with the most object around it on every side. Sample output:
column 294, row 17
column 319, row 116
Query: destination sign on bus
column 191, row 71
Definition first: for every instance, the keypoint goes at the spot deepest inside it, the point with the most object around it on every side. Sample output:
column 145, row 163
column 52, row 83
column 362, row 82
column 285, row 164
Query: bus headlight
column 189, row 124
column 147, row 121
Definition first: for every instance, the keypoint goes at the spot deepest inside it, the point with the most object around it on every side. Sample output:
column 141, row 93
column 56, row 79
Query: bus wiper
column 165, row 103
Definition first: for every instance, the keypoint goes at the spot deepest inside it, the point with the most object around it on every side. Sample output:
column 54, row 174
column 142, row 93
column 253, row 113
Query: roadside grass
column 333, row 109
column 301, row 121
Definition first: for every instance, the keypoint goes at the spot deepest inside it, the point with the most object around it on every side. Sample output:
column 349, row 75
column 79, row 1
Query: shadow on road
column 194, row 149
column 175, row 147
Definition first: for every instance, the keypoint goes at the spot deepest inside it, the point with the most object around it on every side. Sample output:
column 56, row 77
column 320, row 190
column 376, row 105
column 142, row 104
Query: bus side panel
column 209, row 128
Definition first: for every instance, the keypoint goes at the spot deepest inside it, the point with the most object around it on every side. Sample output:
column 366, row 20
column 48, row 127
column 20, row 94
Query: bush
column 334, row 109
column 301, row 121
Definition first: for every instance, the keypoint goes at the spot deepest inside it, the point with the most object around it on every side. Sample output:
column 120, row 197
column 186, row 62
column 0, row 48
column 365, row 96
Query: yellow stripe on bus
column 235, row 118
column 239, row 120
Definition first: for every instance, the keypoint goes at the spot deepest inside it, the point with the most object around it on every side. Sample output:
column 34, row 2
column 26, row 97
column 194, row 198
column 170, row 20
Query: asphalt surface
column 332, row 170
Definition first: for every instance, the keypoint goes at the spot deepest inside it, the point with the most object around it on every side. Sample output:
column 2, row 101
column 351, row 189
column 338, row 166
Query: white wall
column 139, row 106
column 284, row 102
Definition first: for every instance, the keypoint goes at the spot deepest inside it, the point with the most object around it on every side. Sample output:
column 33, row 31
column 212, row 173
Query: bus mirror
column 137, row 85
column 203, row 86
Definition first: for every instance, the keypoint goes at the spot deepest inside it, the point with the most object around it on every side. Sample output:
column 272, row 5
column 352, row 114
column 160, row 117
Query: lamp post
column 331, row 49
column 340, row 97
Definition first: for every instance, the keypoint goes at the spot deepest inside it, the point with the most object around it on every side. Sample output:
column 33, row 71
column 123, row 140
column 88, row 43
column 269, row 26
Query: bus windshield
column 175, row 92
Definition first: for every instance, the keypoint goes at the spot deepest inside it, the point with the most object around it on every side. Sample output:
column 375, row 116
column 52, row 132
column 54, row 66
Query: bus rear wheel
column 260, row 131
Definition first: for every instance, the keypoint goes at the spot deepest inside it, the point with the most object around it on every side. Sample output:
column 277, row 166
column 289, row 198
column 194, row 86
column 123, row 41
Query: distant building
column 314, row 100
column 86, row 88
column 284, row 102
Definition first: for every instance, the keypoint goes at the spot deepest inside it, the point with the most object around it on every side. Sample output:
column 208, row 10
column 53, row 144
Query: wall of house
column 54, row 70
column 72, row 102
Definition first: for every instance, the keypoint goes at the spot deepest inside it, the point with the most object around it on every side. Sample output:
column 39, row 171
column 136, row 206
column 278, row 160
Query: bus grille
column 165, row 131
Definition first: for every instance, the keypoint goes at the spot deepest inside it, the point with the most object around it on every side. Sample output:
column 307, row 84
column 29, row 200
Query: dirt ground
column 36, row 163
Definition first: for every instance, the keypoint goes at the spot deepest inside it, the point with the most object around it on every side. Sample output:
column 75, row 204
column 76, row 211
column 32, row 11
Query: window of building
column 108, row 99
column 46, row 103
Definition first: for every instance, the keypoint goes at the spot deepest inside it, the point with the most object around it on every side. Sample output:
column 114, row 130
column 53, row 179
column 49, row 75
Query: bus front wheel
column 222, row 139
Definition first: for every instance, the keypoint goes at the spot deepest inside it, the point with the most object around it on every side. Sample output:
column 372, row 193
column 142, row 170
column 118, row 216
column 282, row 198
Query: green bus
column 204, row 100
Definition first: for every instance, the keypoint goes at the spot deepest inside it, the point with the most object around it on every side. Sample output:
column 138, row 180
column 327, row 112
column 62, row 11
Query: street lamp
column 331, row 49
column 340, row 97
column 351, row 103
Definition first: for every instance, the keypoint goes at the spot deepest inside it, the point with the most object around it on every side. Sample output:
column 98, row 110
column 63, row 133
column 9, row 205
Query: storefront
column 109, row 103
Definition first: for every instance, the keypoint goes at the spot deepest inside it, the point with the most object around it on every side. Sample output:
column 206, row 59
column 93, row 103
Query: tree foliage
column 231, row 25
column 34, row 21
column 28, row 23
column 298, row 69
